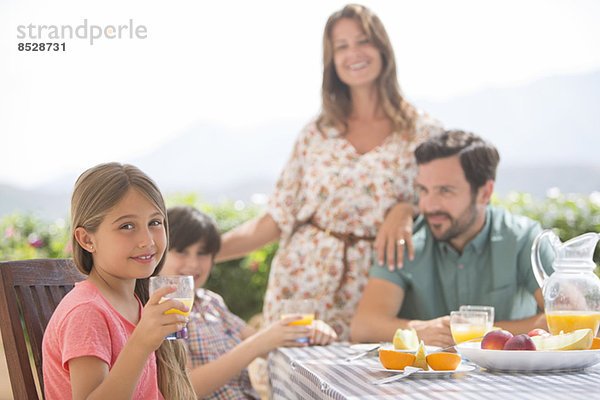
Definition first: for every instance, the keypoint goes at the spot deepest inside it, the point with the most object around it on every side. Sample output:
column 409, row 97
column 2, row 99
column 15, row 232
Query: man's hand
column 434, row 332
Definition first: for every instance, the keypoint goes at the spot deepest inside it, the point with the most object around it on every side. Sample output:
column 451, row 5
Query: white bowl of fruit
column 537, row 351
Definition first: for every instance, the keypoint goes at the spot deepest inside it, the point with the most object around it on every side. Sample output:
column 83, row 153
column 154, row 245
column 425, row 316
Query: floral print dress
column 342, row 192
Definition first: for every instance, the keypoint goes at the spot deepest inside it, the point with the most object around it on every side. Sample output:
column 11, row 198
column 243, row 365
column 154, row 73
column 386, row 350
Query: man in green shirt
column 466, row 252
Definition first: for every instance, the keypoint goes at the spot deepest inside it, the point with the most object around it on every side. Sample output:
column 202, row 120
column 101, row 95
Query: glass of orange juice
column 304, row 307
column 467, row 325
column 184, row 294
column 488, row 309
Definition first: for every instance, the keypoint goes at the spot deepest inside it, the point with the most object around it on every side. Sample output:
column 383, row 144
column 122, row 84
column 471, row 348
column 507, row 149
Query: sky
column 243, row 63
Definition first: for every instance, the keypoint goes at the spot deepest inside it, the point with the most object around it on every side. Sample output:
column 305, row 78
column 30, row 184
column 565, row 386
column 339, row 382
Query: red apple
column 495, row 340
column 538, row 332
column 519, row 342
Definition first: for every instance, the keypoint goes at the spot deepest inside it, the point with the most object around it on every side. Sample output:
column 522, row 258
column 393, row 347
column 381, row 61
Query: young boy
column 220, row 344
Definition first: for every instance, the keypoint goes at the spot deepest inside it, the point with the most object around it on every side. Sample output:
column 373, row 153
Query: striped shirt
column 213, row 330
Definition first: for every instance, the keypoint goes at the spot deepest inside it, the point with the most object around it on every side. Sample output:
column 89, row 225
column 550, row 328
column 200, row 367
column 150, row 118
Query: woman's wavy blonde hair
column 336, row 101
column 96, row 191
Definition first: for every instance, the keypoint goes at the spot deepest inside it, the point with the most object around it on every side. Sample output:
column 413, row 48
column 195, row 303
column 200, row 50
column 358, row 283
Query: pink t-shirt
column 86, row 324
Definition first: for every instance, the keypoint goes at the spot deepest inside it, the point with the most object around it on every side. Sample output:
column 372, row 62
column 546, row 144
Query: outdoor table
column 321, row 372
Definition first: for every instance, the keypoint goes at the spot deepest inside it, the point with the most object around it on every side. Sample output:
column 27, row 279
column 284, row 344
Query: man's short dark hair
column 188, row 225
column 478, row 158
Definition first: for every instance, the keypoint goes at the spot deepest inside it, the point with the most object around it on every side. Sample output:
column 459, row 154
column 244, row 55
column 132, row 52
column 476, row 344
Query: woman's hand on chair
column 395, row 235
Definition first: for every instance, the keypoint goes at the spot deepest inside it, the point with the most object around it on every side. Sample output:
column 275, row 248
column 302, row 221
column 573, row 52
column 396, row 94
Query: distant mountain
column 553, row 121
column 49, row 205
column 219, row 161
column 547, row 132
column 569, row 178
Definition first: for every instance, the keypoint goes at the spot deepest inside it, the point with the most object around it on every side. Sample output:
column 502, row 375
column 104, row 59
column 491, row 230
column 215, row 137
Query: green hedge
column 242, row 283
column 568, row 215
column 24, row 236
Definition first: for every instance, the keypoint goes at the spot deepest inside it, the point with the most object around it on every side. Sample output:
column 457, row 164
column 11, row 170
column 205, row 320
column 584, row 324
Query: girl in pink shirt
column 101, row 342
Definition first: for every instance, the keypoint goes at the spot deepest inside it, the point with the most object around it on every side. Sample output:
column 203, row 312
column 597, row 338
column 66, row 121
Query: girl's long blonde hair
column 336, row 100
column 96, row 191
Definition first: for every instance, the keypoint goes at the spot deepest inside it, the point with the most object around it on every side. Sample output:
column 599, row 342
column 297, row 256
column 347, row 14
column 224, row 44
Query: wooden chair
column 30, row 290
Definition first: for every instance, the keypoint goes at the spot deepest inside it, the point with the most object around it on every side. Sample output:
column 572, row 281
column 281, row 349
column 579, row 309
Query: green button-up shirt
column 494, row 269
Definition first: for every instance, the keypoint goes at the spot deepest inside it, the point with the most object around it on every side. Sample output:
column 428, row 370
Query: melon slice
column 406, row 339
column 421, row 358
column 580, row 339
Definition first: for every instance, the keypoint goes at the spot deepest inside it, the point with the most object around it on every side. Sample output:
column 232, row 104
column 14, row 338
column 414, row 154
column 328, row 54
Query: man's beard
column 457, row 226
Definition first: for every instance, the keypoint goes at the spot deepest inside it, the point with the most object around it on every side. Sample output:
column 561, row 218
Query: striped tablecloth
column 320, row 372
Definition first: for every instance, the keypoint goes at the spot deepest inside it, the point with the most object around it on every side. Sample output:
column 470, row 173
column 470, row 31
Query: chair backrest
column 29, row 292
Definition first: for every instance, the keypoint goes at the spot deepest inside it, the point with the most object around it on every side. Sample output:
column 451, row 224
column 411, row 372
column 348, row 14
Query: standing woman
column 347, row 188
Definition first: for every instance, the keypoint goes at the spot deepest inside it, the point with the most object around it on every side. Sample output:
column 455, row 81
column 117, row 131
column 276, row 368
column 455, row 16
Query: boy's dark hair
column 478, row 158
column 188, row 225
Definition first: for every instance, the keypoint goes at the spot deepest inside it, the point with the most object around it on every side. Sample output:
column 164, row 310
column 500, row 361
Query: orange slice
column 595, row 344
column 392, row 359
column 443, row 361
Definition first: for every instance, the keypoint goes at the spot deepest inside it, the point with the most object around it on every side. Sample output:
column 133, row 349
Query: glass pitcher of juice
column 572, row 292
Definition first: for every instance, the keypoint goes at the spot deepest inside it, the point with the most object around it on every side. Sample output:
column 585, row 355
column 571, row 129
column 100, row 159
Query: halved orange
column 443, row 361
column 595, row 344
column 392, row 359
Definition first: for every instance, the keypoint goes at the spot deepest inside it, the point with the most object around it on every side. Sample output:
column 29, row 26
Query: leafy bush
column 569, row 215
column 242, row 283
column 24, row 236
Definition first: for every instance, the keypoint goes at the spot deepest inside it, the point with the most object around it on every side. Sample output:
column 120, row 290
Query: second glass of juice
column 488, row 309
column 184, row 294
column 467, row 325
column 304, row 307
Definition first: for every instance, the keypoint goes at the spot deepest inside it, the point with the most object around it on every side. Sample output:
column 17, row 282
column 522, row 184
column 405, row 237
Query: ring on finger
column 400, row 242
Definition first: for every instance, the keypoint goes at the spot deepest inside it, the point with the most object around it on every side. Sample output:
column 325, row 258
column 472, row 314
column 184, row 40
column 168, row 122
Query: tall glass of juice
column 488, row 309
column 467, row 325
column 184, row 294
column 304, row 307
